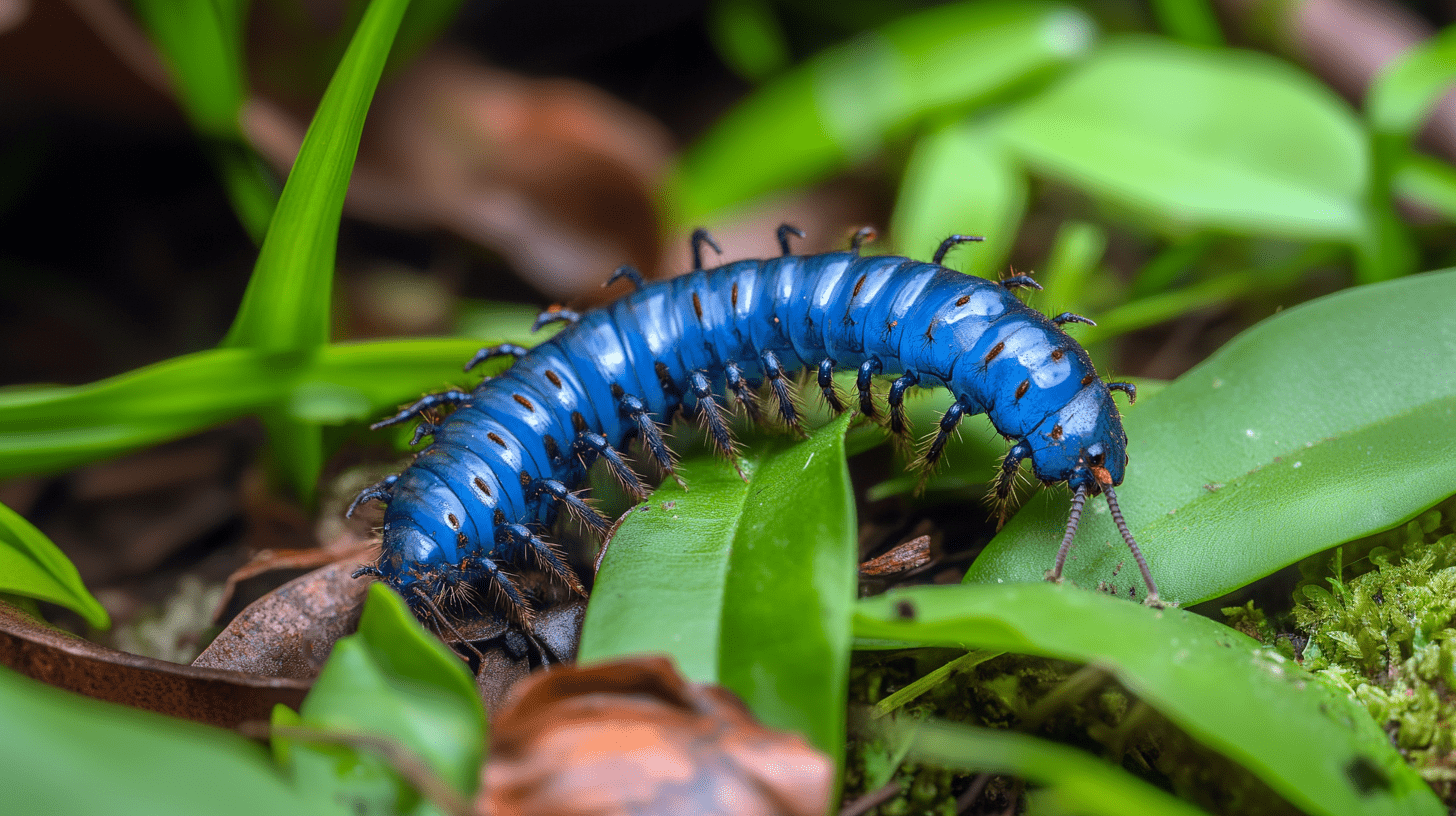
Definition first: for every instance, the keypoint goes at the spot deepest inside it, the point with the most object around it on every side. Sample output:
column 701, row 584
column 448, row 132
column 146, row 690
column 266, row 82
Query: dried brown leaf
column 208, row 695
column 633, row 736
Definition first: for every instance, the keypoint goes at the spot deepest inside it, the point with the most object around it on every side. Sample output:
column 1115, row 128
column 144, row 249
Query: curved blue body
column 449, row 513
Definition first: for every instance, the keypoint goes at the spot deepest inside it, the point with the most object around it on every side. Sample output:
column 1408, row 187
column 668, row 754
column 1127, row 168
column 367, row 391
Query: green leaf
column 397, row 681
column 202, row 43
column 746, row 584
column 748, row 37
column 1074, row 259
column 1192, row 21
column 1325, row 423
column 1068, row 780
column 1313, row 745
column 51, row 428
column 422, row 25
column 1159, row 307
column 30, row 565
column 960, row 181
column 286, row 305
column 1408, row 87
column 840, row 106
column 1191, row 138
column 69, row 755
column 1429, row 181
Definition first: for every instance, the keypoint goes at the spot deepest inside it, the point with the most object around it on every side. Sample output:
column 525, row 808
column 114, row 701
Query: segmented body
column 505, row 460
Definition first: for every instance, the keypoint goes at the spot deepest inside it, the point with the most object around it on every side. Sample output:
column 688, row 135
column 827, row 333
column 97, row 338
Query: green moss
column 1079, row 706
column 1380, row 614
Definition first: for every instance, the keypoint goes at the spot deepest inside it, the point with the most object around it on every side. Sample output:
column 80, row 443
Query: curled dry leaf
column 902, row 558
column 633, row 736
column 208, row 695
column 291, row 630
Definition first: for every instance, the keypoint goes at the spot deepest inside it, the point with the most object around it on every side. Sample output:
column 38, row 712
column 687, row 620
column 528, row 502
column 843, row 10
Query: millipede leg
column 574, row 504
column 859, row 238
column 950, row 243
column 738, row 384
column 1125, row 387
column 898, row 424
column 597, row 445
column 780, row 387
column 543, row 551
column 427, row 604
column 1006, row 480
column 490, row 352
column 451, row 398
column 863, row 381
column 784, row 232
column 423, row 430
column 555, row 314
column 1069, row 317
column 502, row 583
column 948, row 423
column 382, row 490
column 629, row 272
column 826, row 386
column 710, row 414
column 1021, row 281
column 657, row 449
column 700, row 237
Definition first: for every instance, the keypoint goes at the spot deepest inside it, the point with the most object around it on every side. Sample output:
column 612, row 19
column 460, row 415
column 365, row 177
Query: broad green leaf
column 1327, row 422
column 1310, row 743
column 396, row 681
column 201, row 42
column 50, row 428
column 840, row 106
column 69, row 755
column 286, row 305
column 1408, row 87
column 30, row 565
column 1193, row 138
column 960, row 181
column 1068, row 780
column 747, row 584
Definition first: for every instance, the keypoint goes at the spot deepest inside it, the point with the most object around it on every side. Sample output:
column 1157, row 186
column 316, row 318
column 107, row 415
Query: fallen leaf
column 633, row 736
column 208, row 695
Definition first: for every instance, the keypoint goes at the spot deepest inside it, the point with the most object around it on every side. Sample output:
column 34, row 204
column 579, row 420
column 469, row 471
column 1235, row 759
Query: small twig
column 978, row 786
column 871, row 800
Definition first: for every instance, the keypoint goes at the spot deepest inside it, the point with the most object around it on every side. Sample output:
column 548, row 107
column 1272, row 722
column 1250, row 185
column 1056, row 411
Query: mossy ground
column 1377, row 619
column 1052, row 699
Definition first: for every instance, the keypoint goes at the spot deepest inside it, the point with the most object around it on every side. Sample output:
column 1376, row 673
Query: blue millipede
column 507, row 458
